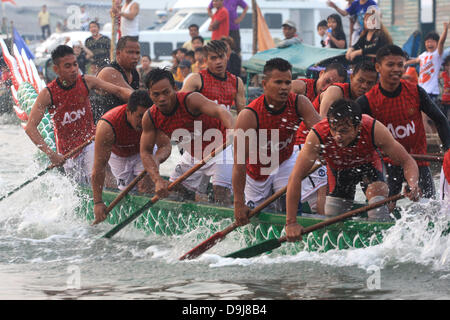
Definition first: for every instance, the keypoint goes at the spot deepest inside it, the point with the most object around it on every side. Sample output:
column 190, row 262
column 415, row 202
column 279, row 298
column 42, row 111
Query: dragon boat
column 171, row 217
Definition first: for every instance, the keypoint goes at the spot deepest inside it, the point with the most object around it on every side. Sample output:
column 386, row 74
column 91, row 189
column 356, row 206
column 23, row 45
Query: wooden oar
column 66, row 156
column 218, row 236
column 136, row 214
column 124, row 193
column 272, row 244
column 428, row 157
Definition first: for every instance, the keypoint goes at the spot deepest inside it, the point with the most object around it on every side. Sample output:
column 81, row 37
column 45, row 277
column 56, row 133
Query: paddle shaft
column 428, row 157
column 272, row 244
column 183, row 177
column 211, row 241
column 347, row 215
column 66, row 156
column 125, row 191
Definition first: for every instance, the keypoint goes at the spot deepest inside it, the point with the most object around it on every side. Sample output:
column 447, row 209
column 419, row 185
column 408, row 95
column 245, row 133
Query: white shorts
column 80, row 167
column 258, row 191
column 125, row 169
column 313, row 182
column 220, row 168
column 444, row 188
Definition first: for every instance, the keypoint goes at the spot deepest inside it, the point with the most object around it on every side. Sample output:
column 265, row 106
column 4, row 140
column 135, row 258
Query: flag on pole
column 20, row 43
column 12, row 1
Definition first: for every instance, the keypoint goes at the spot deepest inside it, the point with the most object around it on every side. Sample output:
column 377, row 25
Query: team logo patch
column 321, row 173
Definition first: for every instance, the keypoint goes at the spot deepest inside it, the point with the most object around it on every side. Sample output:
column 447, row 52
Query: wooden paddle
column 136, row 214
column 218, row 236
column 272, row 244
column 124, row 193
column 428, row 157
column 66, row 156
column 112, row 53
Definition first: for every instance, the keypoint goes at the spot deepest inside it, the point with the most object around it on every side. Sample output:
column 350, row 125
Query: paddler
column 67, row 100
column 117, row 139
column 197, row 123
column 222, row 87
column 348, row 141
column 264, row 139
column 398, row 104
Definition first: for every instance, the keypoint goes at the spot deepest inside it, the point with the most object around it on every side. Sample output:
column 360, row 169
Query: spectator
column 430, row 62
column 352, row 19
column 185, row 69
column 290, row 34
column 336, row 38
column 197, row 42
column 193, row 32
column 84, row 18
column 200, row 60
column 44, row 22
column 190, row 55
column 220, row 21
column 445, row 75
column 83, row 55
column 100, row 46
column 144, row 70
column 357, row 10
column 374, row 37
column 321, row 31
column 234, row 60
column 129, row 19
column 234, row 20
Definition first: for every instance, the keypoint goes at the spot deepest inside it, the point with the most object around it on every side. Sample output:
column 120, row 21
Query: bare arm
column 332, row 94
column 192, row 83
column 240, row 97
column 298, row 87
column 104, row 141
column 242, row 16
column 305, row 160
column 119, row 91
column 43, row 101
column 307, row 111
column 398, row 154
column 442, row 39
column 246, row 120
column 412, row 61
column 335, row 7
column 198, row 103
column 111, row 75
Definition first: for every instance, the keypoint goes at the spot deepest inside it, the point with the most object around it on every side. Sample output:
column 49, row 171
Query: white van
column 305, row 13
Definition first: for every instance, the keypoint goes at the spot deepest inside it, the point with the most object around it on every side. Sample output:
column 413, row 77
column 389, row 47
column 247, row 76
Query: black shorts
column 395, row 180
column 342, row 183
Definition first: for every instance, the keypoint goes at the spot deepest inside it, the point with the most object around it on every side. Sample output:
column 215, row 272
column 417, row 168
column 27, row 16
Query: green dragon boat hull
column 173, row 218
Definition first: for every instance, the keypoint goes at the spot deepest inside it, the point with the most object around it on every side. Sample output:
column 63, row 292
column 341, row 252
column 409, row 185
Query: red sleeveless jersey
column 310, row 92
column 446, row 166
column 302, row 131
column 182, row 118
column 402, row 116
column 285, row 121
column 362, row 151
column 222, row 91
column 127, row 139
column 71, row 114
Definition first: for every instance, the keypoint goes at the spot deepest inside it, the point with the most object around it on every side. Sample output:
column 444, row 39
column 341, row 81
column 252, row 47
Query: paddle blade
column 256, row 250
column 204, row 246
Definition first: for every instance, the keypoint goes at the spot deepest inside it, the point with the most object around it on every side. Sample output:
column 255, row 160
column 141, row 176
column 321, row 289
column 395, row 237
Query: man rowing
column 67, row 100
column 117, row 137
column 348, row 140
column 220, row 86
column 444, row 182
column 215, row 82
column 315, row 185
column 121, row 72
column 264, row 138
column 398, row 104
column 191, row 120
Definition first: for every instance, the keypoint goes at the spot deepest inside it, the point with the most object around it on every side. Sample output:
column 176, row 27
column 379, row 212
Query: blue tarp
column 301, row 56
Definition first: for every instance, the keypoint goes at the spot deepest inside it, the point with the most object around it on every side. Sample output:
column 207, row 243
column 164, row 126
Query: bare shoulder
column 246, row 119
column 298, row 86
